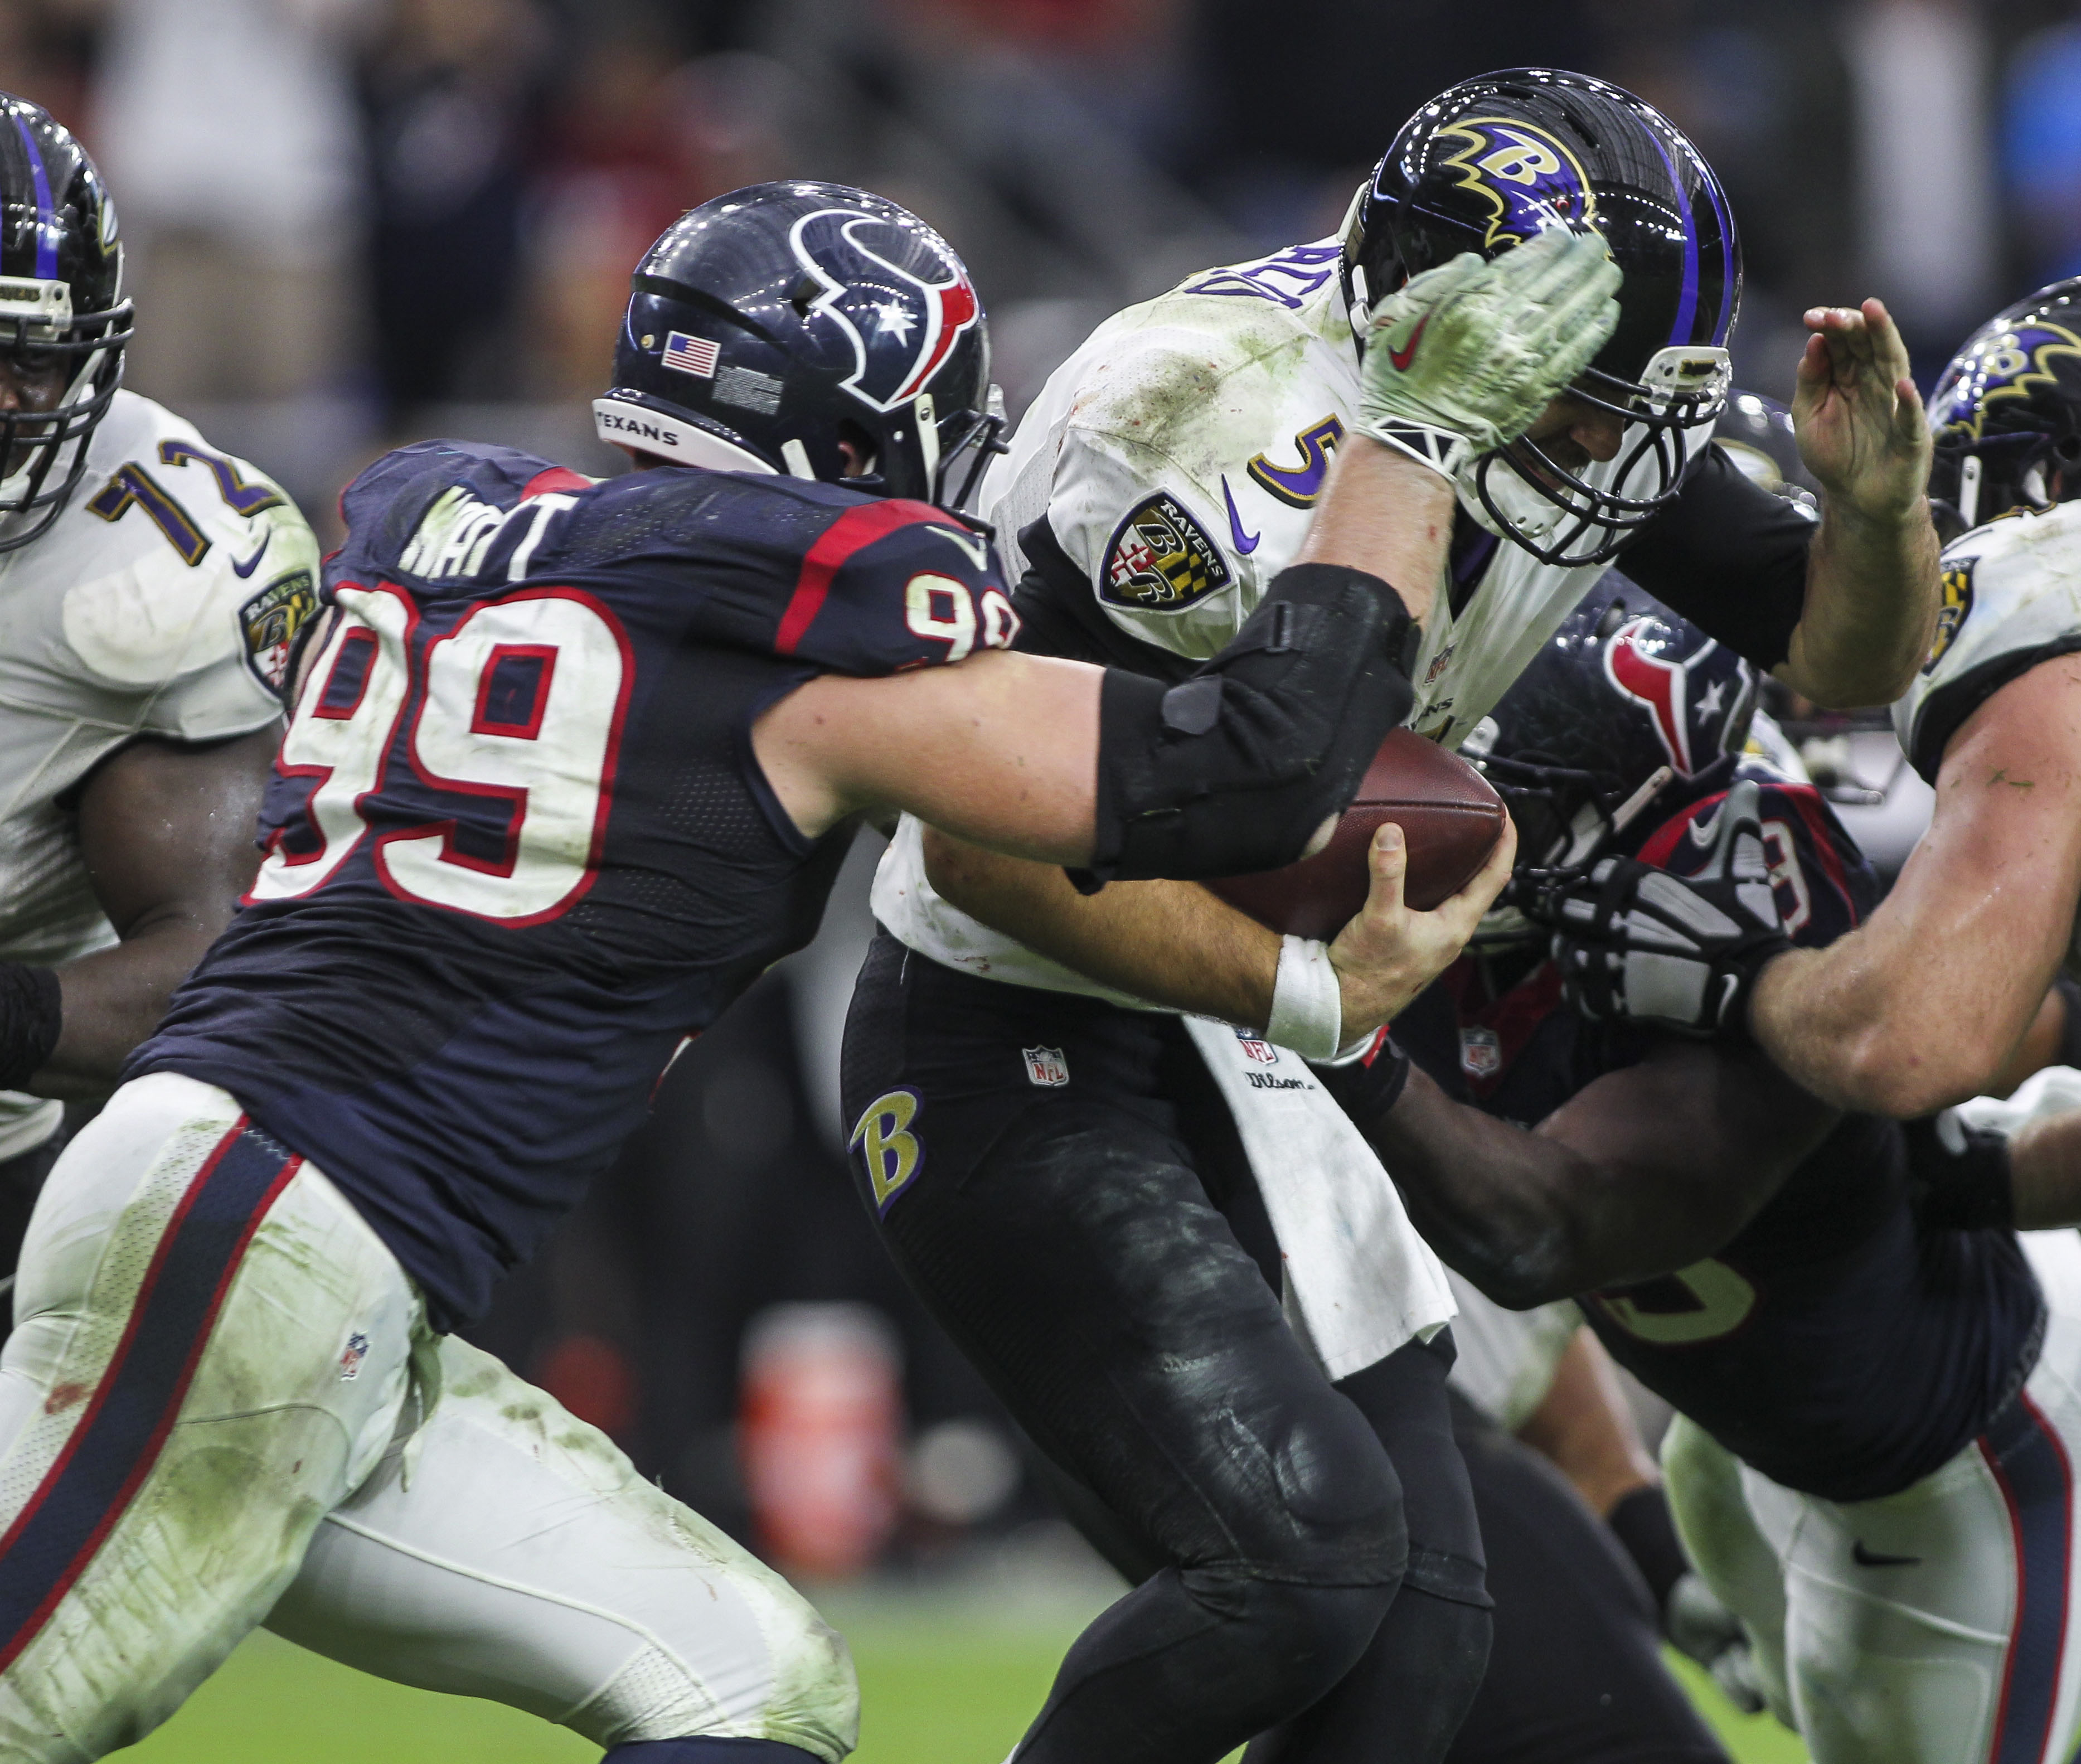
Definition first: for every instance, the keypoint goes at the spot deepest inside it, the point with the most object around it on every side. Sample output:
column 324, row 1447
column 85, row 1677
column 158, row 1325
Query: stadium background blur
column 352, row 223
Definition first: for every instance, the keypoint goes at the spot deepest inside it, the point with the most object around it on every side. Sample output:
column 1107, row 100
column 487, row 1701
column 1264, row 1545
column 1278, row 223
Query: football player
column 1160, row 481
column 571, row 765
column 150, row 589
column 1879, row 1389
column 1943, row 994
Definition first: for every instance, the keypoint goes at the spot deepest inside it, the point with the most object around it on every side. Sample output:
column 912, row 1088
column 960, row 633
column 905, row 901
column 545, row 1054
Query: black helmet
column 1756, row 433
column 1490, row 162
column 1628, row 706
column 62, row 310
column 2007, row 412
column 769, row 325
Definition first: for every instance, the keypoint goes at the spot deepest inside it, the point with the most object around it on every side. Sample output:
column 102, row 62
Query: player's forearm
column 1872, row 595
column 1172, row 944
column 1498, row 1204
column 1383, row 513
column 1920, row 1007
column 113, row 1001
column 2045, row 1173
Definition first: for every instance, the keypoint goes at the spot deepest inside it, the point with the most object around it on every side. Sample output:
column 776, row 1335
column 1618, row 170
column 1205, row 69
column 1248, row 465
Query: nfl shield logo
column 351, row 1358
column 1481, row 1053
column 1046, row 1067
column 1254, row 1048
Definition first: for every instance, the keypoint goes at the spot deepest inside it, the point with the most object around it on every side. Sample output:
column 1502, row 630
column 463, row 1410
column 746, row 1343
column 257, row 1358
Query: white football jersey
column 2011, row 599
column 1178, row 456
column 162, row 602
column 1507, row 1359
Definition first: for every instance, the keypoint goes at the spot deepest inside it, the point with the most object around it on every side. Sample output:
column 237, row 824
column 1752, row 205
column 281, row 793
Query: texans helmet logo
column 2007, row 365
column 901, row 327
column 1530, row 179
column 1633, row 663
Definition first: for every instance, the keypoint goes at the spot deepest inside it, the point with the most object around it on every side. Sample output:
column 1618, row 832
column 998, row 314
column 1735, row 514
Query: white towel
column 1359, row 1282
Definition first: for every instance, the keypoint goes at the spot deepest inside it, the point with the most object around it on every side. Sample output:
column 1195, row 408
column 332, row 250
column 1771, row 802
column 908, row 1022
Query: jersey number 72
column 523, row 700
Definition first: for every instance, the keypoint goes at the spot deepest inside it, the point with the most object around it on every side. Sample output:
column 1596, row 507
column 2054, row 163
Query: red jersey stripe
column 854, row 530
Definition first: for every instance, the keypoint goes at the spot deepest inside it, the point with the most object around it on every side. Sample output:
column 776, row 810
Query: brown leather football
column 1447, row 811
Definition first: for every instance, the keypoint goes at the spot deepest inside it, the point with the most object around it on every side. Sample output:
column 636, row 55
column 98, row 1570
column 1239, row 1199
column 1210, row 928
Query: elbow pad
column 1233, row 770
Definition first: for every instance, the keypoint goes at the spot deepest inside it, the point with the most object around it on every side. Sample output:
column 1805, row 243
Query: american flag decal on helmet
column 690, row 354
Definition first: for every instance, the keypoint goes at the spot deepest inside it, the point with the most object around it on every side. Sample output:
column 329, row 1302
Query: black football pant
column 1313, row 1569
column 1575, row 1675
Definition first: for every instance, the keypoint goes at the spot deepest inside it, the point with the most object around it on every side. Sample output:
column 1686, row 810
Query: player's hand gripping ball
column 1449, row 817
column 1461, row 360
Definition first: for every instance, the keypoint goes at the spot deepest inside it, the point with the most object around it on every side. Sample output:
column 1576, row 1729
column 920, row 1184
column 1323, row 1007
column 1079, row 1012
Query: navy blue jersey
column 518, row 847
column 1833, row 1344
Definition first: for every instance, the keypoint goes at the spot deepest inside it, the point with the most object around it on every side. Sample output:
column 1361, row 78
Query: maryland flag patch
column 269, row 623
column 1160, row 561
column 1951, row 615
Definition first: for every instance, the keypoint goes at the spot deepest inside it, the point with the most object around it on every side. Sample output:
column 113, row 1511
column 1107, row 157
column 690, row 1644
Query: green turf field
column 938, row 1686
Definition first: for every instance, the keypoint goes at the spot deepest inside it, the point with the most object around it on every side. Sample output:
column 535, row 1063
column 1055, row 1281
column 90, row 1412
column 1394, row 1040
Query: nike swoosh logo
column 1401, row 357
column 1244, row 542
column 253, row 562
column 1864, row 1558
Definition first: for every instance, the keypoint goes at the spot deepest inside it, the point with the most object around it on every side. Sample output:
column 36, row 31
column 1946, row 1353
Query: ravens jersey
column 160, row 605
column 1833, row 1344
column 517, row 846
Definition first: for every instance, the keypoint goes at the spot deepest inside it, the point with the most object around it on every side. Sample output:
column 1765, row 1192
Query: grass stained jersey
column 518, row 844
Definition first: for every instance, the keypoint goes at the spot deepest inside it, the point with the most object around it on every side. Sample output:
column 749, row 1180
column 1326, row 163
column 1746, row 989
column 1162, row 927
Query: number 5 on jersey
column 522, row 701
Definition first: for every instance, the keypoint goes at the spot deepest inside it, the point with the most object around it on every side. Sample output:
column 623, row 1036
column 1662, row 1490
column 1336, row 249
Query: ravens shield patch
column 1161, row 561
column 1951, row 615
column 269, row 623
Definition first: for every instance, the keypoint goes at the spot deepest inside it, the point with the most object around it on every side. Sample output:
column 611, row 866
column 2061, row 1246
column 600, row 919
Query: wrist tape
column 32, row 1014
column 1307, row 1004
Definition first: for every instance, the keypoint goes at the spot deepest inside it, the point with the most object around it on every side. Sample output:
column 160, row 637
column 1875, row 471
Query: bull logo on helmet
column 1634, row 664
column 1529, row 179
column 2007, row 364
column 901, row 327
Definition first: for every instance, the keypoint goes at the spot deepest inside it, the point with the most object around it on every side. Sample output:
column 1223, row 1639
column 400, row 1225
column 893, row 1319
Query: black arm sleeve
column 1730, row 557
column 1233, row 769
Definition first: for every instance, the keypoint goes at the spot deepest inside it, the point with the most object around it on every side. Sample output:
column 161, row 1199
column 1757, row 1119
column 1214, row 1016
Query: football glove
column 1460, row 359
column 1682, row 953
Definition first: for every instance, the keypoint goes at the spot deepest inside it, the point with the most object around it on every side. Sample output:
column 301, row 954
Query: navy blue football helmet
column 768, row 325
column 1487, row 165
column 1628, row 708
column 63, row 319
column 2006, row 413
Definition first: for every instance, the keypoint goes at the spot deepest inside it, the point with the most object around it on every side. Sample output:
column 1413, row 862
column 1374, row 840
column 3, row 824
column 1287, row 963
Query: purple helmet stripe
column 1687, row 304
column 47, row 250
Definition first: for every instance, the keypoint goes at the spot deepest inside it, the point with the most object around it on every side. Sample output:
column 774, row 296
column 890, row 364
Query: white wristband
column 1307, row 1004
column 1440, row 449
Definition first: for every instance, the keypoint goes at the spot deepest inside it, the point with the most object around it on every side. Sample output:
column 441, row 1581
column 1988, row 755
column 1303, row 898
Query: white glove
column 1461, row 360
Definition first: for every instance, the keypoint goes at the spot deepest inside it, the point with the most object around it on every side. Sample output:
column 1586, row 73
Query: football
column 1447, row 811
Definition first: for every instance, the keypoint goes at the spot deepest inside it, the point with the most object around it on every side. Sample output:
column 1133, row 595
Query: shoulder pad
column 187, row 572
column 2011, row 600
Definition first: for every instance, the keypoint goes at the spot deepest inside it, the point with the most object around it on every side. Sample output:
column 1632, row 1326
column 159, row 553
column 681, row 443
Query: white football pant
column 221, row 1406
column 1935, row 1626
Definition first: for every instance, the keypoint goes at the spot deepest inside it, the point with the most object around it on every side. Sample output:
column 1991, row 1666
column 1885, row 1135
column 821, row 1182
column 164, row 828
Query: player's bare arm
column 1872, row 585
column 1176, row 945
column 1922, row 1006
column 167, row 835
column 1644, row 1171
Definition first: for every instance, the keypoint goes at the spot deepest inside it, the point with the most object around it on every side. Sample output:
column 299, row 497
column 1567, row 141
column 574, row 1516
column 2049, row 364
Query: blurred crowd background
column 355, row 222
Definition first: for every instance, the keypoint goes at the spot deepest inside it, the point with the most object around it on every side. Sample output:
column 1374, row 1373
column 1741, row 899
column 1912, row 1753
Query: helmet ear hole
column 852, row 434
